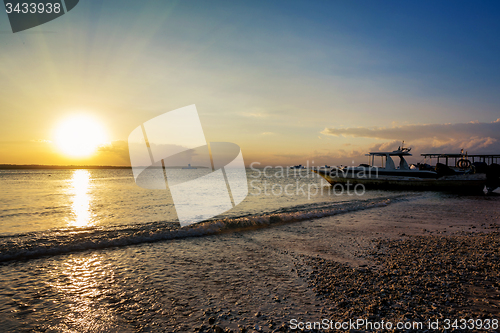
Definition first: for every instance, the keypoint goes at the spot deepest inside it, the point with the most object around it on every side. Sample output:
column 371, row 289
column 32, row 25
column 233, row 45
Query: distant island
column 62, row 167
column 38, row 166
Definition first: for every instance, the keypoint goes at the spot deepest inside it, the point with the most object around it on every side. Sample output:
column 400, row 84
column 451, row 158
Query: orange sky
column 288, row 85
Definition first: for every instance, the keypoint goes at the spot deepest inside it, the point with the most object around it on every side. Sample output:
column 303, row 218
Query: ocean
column 90, row 251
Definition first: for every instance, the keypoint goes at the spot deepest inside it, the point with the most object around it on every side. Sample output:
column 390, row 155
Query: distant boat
column 322, row 167
column 441, row 177
column 189, row 167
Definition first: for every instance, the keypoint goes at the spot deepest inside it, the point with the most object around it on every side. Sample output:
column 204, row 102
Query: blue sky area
column 287, row 81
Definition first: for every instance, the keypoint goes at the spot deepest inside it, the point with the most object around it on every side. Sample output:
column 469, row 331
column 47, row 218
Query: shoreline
column 451, row 277
column 373, row 249
column 333, row 267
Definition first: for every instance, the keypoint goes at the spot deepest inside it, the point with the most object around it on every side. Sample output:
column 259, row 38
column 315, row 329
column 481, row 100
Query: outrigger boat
column 419, row 177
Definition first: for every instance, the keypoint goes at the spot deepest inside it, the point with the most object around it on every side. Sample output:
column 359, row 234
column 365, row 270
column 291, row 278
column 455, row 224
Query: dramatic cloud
column 474, row 136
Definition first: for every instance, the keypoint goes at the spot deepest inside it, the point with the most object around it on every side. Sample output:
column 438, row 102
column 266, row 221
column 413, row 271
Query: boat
column 415, row 177
column 323, row 167
column 189, row 167
column 300, row 166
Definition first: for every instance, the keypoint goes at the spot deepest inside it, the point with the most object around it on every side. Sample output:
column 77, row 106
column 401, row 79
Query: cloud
column 268, row 133
column 413, row 132
column 386, row 146
column 118, row 149
column 255, row 114
column 474, row 136
column 289, row 155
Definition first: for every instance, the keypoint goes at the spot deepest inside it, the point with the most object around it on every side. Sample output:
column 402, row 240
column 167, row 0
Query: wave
column 61, row 241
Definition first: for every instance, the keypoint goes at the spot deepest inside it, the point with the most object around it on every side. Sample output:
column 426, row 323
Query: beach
column 419, row 258
column 249, row 166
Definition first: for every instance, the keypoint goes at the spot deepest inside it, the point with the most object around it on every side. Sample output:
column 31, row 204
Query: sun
column 79, row 136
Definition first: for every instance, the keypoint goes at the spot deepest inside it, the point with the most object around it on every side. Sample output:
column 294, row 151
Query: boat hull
column 469, row 184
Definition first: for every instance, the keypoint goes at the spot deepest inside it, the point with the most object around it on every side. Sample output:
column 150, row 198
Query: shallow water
column 50, row 212
column 89, row 251
column 39, row 200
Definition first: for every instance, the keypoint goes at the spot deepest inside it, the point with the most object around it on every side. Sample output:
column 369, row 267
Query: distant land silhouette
column 38, row 166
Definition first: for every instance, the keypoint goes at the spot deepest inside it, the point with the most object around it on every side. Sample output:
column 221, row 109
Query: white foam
column 56, row 242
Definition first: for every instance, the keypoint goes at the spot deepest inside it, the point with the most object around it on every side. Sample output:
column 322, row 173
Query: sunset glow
column 79, row 136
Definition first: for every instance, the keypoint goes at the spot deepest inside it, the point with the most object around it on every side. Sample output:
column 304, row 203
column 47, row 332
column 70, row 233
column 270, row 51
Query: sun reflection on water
column 84, row 287
column 80, row 184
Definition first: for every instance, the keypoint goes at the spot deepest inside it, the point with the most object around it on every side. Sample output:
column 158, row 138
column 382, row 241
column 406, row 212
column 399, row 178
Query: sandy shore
column 412, row 261
column 427, row 258
column 416, row 279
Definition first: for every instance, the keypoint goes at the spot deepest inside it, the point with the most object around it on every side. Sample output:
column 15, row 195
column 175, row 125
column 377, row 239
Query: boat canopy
column 403, row 165
column 391, row 153
column 488, row 158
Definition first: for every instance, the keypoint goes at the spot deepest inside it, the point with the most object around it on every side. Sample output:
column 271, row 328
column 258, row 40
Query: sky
column 288, row 81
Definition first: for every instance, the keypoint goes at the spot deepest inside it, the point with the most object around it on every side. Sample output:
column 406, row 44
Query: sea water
column 56, row 211
column 90, row 251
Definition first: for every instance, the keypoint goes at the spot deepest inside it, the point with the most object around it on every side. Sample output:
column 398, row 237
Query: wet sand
column 418, row 259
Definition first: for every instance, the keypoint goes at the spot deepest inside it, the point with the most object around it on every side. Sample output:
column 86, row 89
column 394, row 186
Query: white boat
column 402, row 177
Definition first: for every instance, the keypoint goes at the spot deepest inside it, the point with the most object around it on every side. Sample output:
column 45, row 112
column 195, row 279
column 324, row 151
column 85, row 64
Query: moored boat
column 403, row 177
